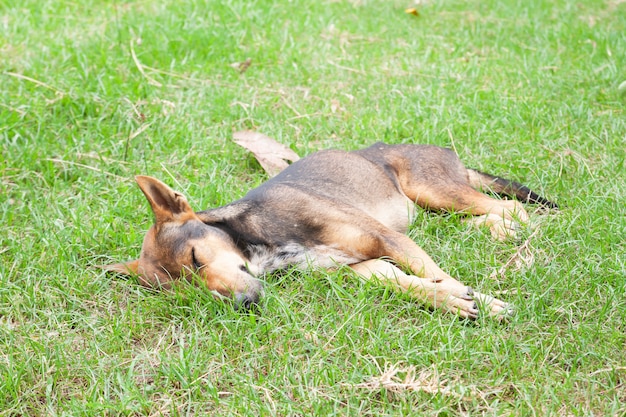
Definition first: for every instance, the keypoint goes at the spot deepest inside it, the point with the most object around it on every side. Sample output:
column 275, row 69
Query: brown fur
column 331, row 208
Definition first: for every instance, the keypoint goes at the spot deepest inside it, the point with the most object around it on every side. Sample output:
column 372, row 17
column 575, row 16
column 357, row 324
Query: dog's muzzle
column 246, row 301
column 250, row 297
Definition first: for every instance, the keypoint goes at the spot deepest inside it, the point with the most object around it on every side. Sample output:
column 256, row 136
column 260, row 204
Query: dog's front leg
column 449, row 294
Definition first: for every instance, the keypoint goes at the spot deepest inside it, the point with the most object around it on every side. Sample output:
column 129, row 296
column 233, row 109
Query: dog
column 329, row 209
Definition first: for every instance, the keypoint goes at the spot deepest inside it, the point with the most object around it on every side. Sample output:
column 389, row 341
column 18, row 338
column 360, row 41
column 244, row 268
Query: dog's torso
column 286, row 220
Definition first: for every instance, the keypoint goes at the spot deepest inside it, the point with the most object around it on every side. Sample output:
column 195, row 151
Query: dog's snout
column 246, row 301
column 250, row 297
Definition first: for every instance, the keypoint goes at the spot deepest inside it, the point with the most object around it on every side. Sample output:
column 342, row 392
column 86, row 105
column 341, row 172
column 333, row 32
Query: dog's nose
column 246, row 301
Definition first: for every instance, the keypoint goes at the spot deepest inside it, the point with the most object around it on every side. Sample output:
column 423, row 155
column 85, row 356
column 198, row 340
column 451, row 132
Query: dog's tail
column 501, row 186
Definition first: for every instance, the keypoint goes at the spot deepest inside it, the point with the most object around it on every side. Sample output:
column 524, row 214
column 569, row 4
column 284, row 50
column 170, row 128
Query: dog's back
column 365, row 180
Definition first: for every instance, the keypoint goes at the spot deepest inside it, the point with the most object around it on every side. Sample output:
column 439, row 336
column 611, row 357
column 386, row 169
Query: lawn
column 93, row 93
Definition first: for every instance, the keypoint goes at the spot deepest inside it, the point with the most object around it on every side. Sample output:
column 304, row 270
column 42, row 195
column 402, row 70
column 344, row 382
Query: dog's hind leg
column 448, row 294
column 435, row 179
column 457, row 195
column 501, row 216
column 499, row 227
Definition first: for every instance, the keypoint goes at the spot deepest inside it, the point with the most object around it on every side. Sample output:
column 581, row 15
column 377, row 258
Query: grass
column 95, row 92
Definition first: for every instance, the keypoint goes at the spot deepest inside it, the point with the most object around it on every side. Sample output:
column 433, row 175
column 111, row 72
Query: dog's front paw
column 494, row 307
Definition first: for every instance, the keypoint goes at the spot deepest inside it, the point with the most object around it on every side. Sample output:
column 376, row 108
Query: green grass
column 527, row 90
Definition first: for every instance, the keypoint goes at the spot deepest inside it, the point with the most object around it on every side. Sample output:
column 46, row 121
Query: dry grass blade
column 34, row 81
column 13, row 109
column 398, row 379
column 523, row 256
column 272, row 156
column 140, row 67
column 64, row 162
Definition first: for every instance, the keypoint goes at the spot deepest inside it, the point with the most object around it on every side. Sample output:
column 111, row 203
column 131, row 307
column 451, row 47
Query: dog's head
column 180, row 245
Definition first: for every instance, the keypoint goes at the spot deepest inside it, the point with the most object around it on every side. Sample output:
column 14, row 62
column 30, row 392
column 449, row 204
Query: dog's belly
column 396, row 212
column 296, row 255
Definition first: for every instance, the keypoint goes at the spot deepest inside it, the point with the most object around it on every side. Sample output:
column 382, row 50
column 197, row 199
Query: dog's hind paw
column 499, row 227
column 506, row 229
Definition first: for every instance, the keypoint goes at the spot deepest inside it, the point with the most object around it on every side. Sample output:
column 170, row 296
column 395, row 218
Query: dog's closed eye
column 196, row 264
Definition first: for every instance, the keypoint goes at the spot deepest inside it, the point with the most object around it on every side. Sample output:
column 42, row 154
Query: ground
column 95, row 92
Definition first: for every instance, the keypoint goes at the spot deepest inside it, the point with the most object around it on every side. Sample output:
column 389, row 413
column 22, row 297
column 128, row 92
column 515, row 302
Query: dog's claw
column 496, row 308
column 507, row 311
column 473, row 312
column 469, row 294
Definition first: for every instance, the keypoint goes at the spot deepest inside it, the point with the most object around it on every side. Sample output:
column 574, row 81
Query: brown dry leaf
column 412, row 11
column 272, row 156
column 242, row 66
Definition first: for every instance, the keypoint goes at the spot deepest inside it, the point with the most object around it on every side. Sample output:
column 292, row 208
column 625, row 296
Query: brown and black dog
column 331, row 208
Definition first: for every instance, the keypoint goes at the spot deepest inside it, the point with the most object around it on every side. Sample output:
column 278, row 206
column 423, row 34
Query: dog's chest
column 268, row 259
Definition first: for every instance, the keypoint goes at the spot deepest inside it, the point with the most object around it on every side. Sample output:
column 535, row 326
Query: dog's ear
column 126, row 268
column 167, row 204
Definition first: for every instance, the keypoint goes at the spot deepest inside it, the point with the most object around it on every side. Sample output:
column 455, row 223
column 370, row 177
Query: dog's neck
column 234, row 220
column 266, row 245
